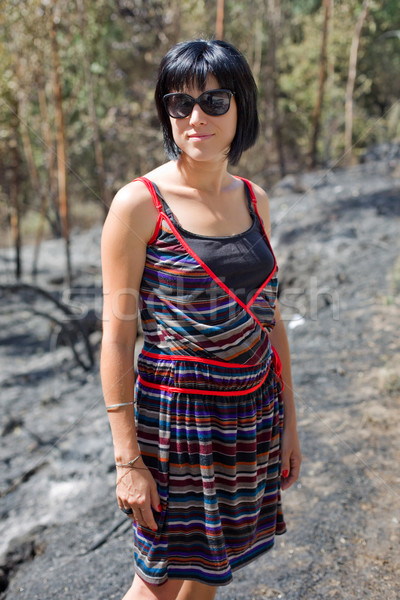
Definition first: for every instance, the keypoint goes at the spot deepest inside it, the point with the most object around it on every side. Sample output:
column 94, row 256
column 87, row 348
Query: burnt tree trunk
column 33, row 173
column 48, row 197
column 15, row 216
column 61, row 150
column 321, row 87
column 219, row 24
column 348, row 133
column 272, row 80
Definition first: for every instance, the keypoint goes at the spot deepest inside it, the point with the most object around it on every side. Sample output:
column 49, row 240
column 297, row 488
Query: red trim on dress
column 156, row 230
column 168, row 388
column 157, row 204
column 150, row 187
column 254, row 201
column 276, row 361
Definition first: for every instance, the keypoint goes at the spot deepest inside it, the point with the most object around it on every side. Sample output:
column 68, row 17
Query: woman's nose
column 197, row 115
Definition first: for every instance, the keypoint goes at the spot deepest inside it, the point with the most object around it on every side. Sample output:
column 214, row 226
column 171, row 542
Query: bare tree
column 274, row 118
column 61, row 150
column 348, row 133
column 321, row 87
column 219, row 25
column 256, row 40
column 50, row 193
column 14, row 192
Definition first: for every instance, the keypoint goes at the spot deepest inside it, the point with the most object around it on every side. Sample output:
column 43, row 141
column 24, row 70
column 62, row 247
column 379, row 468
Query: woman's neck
column 203, row 176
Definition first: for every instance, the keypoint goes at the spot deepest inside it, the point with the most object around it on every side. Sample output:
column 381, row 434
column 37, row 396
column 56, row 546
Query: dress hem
column 224, row 583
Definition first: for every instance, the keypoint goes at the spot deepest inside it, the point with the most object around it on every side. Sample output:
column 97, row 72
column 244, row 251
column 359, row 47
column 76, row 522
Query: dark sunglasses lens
column 215, row 103
column 179, row 106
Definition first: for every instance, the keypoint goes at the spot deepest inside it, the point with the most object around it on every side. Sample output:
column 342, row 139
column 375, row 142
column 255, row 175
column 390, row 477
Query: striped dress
column 209, row 415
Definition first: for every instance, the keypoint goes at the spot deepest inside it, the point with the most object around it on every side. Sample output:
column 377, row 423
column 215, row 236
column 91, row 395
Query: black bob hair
column 189, row 63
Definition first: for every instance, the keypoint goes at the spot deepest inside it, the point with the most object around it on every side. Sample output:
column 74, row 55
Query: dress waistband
column 191, row 375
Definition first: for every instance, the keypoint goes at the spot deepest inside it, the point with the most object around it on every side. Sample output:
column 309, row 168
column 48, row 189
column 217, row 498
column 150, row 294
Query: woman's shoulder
column 132, row 196
column 262, row 202
column 162, row 173
column 259, row 193
column 136, row 194
column 132, row 211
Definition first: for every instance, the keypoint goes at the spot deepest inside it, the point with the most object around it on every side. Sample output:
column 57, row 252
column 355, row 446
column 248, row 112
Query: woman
column 215, row 439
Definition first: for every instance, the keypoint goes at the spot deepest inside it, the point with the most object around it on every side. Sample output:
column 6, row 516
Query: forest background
column 77, row 117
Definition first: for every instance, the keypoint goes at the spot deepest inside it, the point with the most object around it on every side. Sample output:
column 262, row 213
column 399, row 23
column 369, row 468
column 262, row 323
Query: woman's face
column 204, row 137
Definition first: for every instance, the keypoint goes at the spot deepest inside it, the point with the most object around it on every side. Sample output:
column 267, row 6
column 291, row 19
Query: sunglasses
column 213, row 102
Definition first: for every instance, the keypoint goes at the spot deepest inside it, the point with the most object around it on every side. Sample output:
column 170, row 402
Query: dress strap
column 249, row 200
column 249, row 191
column 164, row 205
column 153, row 191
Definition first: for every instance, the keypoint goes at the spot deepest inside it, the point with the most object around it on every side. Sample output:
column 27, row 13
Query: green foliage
column 124, row 40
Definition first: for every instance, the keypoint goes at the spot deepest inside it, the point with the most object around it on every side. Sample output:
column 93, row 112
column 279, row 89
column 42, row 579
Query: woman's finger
column 136, row 516
column 148, row 518
column 155, row 499
column 292, row 474
column 144, row 519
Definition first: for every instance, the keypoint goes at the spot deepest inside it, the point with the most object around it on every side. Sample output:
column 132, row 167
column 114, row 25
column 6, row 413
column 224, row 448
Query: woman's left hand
column 290, row 457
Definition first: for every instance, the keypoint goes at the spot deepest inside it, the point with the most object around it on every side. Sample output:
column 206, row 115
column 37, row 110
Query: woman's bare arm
column 128, row 227
column 290, row 448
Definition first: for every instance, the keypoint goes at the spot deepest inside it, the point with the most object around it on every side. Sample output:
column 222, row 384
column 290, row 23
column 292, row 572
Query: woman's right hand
column 137, row 489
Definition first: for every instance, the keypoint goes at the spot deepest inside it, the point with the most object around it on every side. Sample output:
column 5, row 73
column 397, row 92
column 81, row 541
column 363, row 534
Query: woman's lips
column 200, row 136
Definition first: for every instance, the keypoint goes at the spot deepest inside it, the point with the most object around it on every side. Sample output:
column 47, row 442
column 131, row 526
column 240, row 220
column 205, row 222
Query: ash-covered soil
column 336, row 236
